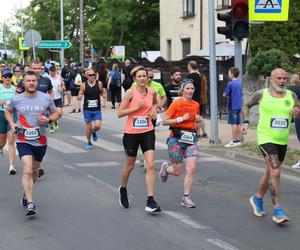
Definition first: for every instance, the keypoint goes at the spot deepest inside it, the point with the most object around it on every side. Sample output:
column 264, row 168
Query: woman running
column 184, row 119
column 139, row 104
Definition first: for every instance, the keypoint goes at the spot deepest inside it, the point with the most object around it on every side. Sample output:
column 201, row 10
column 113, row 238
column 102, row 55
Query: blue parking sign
column 268, row 6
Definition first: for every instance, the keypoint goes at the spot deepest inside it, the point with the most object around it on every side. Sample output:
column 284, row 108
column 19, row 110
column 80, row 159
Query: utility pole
column 62, row 52
column 81, row 50
column 22, row 31
column 212, row 75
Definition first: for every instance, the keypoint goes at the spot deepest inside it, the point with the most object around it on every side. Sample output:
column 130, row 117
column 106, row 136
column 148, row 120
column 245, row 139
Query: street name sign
column 268, row 10
column 54, row 44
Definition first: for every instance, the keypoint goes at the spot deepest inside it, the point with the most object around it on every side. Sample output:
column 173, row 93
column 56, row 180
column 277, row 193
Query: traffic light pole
column 238, row 58
column 212, row 76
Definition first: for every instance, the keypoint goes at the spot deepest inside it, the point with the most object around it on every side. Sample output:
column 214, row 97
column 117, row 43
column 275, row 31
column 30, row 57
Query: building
column 184, row 26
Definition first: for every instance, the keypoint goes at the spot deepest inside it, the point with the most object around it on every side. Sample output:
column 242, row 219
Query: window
column 186, row 46
column 188, row 8
column 169, row 50
column 223, row 4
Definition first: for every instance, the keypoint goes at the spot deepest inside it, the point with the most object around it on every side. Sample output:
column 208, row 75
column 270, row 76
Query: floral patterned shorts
column 178, row 150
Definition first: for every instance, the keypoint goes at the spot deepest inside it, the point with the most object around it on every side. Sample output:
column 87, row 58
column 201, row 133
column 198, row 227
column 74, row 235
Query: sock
column 186, row 195
column 150, row 198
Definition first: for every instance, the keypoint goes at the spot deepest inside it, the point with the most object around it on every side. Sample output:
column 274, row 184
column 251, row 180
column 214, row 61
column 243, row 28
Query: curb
column 251, row 160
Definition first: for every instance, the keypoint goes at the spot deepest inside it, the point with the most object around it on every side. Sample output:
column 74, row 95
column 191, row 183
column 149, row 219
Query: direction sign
column 268, row 10
column 54, row 44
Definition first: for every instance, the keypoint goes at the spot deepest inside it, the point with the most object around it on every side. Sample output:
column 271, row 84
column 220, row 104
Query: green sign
column 54, row 44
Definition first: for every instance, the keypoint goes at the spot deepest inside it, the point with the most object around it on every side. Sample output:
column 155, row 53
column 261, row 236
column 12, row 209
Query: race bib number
column 279, row 123
column 31, row 134
column 92, row 103
column 140, row 122
column 187, row 137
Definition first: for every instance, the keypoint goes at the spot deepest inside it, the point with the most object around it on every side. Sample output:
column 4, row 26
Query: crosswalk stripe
column 64, row 147
column 98, row 164
column 110, row 146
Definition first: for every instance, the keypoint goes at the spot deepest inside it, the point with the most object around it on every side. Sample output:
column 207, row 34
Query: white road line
column 68, row 166
column 114, row 189
column 98, row 164
column 221, row 244
column 64, row 147
column 209, row 159
column 186, row 220
column 110, row 146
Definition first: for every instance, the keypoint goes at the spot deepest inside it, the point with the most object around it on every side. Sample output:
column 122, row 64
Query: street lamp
column 62, row 52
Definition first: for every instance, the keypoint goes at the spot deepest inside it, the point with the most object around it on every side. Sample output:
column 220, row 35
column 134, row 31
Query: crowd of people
column 32, row 98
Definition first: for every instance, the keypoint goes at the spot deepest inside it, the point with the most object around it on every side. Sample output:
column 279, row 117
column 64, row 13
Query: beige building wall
column 174, row 27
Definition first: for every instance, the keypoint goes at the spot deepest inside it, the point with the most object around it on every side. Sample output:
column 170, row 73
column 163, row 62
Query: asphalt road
column 78, row 206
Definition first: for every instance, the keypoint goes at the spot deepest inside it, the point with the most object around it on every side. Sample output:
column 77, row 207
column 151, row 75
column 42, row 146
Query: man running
column 91, row 90
column 277, row 105
column 30, row 131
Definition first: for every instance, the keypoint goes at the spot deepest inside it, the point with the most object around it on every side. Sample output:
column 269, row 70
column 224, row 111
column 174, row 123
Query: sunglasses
column 91, row 75
column 8, row 76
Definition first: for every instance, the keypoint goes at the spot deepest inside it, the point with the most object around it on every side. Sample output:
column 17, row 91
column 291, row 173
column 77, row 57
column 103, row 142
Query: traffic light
column 239, row 19
column 225, row 30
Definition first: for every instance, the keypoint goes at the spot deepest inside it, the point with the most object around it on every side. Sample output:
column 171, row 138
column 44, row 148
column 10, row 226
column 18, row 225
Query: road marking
column 186, row 220
column 98, row 164
column 101, row 143
column 114, row 189
column 209, row 159
column 70, row 167
column 64, row 147
column 221, row 244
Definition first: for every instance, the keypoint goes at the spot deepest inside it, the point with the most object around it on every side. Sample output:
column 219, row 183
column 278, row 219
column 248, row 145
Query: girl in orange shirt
column 184, row 119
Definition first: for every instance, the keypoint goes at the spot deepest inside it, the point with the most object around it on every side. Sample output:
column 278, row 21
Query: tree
column 284, row 36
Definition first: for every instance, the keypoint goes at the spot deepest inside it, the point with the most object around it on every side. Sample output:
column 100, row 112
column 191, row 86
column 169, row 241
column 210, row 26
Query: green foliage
column 284, row 36
column 264, row 62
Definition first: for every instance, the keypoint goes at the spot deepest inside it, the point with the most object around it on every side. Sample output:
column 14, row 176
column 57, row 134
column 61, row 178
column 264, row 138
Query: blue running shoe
column 279, row 216
column 258, row 206
column 89, row 146
column 94, row 136
column 24, row 201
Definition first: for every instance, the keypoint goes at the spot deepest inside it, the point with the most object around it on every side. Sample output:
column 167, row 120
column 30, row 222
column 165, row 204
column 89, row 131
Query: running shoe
column 79, row 111
column 31, row 209
column 204, row 135
column 123, row 197
column 51, row 130
column 41, row 172
column 187, row 202
column 12, row 170
column 257, row 205
column 163, row 175
column 152, row 206
column 94, row 136
column 279, row 216
column 296, row 166
column 56, row 127
column 233, row 144
column 73, row 111
column 89, row 146
column 24, row 202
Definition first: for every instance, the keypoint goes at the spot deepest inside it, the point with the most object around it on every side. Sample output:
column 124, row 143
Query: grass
column 292, row 155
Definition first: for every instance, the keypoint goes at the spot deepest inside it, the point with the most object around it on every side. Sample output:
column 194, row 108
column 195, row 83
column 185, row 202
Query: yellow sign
column 21, row 44
column 268, row 10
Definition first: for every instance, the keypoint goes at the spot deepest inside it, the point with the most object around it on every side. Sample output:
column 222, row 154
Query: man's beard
column 280, row 89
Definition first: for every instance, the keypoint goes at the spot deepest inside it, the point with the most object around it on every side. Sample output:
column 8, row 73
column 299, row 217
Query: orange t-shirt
column 180, row 107
column 140, row 121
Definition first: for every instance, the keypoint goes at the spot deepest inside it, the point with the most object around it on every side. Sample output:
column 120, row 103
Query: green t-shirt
column 275, row 118
column 6, row 94
column 159, row 89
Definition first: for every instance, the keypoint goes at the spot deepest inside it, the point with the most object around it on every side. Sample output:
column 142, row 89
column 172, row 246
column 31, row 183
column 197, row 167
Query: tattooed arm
column 253, row 100
column 296, row 109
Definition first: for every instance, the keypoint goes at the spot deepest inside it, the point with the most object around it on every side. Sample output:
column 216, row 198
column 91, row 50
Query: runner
column 30, row 132
column 7, row 91
column 183, row 118
column 58, row 88
column 139, row 104
column 91, row 90
column 276, row 107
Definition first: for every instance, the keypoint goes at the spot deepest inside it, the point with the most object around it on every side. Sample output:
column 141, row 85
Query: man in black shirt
column 128, row 80
column 65, row 74
column 173, row 88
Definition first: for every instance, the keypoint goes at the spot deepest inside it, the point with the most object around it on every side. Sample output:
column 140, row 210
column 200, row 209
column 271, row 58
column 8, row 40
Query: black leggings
column 115, row 93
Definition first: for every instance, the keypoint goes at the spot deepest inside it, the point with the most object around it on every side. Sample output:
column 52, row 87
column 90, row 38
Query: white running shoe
column 296, row 166
column 232, row 144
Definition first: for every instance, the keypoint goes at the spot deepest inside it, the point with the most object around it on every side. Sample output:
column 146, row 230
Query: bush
column 264, row 62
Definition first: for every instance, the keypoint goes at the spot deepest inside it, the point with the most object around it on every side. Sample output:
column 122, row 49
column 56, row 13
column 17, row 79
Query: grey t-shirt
column 28, row 108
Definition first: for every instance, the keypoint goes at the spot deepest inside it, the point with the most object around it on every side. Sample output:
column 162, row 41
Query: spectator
column 128, row 80
column 114, row 85
column 102, row 76
column 65, row 74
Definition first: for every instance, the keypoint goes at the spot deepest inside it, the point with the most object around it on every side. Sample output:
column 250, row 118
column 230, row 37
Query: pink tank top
column 140, row 121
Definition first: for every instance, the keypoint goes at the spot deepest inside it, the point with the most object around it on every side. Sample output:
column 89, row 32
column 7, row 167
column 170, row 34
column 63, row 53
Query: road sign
column 22, row 44
column 54, row 44
column 32, row 38
column 268, row 10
